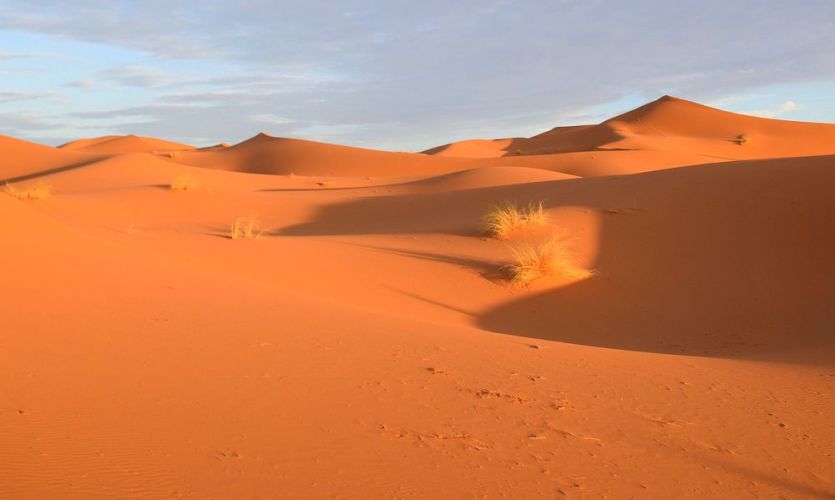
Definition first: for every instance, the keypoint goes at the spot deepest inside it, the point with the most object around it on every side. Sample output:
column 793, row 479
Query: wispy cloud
column 21, row 95
column 775, row 111
column 7, row 56
column 271, row 119
column 85, row 84
column 133, row 75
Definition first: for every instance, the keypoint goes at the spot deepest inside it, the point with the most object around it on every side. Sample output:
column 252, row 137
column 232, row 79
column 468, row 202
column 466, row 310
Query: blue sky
column 397, row 74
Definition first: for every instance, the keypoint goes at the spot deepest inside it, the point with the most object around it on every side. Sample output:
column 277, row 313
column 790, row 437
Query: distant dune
column 116, row 144
column 264, row 154
column 366, row 340
column 667, row 124
column 23, row 159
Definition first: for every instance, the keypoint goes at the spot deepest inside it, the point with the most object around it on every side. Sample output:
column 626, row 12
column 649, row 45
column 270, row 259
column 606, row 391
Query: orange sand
column 367, row 344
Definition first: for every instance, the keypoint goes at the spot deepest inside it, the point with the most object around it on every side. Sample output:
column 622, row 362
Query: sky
column 399, row 75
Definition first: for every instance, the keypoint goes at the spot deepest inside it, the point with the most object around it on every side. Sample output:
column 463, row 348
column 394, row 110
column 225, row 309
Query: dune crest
column 118, row 144
column 668, row 132
column 670, row 124
column 265, row 154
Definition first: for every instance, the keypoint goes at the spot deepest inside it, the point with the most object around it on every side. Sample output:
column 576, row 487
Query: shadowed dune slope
column 726, row 259
column 718, row 260
column 23, row 160
column 479, row 178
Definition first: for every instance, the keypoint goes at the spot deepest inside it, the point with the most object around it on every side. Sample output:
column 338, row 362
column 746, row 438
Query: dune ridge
column 117, row 144
column 668, row 124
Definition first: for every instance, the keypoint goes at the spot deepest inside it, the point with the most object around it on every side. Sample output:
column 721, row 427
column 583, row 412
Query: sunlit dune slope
column 23, row 159
column 264, row 154
column 117, row 144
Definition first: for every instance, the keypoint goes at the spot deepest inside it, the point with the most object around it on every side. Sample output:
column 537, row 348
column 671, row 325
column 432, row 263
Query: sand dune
column 116, row 144
column 280, row 156
column 264, row 154
column 666, row 133
column 222, row 145
column 473, row 148
column 23, row 160
column 476, row 178
column 668, row 124
column 16, row 151
column 369, row 344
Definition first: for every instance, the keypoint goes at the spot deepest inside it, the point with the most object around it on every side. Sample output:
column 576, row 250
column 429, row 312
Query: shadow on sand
column 715, row 260
column 50, row 171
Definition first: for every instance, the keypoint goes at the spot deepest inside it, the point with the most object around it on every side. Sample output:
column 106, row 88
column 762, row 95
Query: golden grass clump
column 183, row 183
column 37, row 192
column 245, row 228
column 504, row 218
column 552, row 258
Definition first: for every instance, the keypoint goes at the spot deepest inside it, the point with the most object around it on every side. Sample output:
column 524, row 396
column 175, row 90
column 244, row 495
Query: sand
column 369, row 345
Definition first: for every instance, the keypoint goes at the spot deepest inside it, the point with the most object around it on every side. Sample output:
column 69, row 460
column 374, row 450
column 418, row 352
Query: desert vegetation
column 183, row 183
column 506, row 217
column 36, row 192
column 532, row 262
column 245, row 227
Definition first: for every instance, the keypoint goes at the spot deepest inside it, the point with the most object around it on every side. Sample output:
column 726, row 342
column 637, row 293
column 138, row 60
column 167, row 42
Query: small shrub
column 37, row 192
column 741, row 139
column 552, row 258
column 183, row 183
column 244, row 228
column 504, row 218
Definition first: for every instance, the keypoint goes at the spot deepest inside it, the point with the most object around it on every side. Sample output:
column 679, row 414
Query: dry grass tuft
column 552, row 258
column 37, row 192
column 741, row 139
column 183, row 183
column 504, row 218
column 245, row 228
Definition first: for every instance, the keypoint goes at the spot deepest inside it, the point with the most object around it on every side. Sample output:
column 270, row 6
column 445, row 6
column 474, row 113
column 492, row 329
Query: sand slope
column 23, row 160
column 367, row 345
column 116, row 144
column 668, row 124
column 264, row 154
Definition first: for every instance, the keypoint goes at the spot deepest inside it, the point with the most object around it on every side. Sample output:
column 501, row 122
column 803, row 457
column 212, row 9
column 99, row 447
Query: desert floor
column 368, row 344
